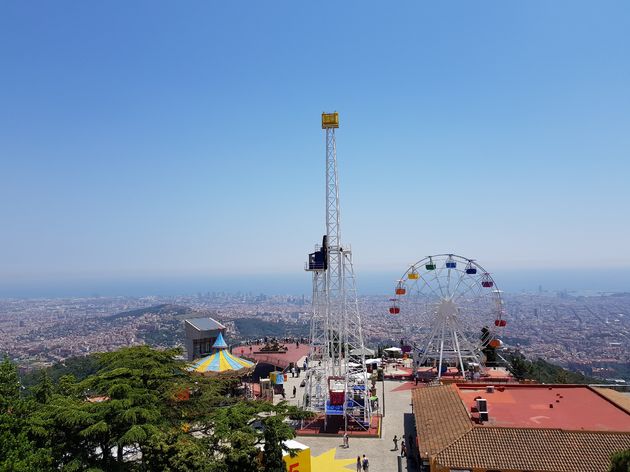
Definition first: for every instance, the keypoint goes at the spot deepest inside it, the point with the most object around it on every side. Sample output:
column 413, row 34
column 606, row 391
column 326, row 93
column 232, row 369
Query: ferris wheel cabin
column 487, row 281
column 470, row 270
column 400, row 288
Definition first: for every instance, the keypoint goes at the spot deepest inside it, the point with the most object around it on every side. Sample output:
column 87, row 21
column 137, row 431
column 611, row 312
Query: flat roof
column 568, row 407
column 279, row 359
column 205, row 324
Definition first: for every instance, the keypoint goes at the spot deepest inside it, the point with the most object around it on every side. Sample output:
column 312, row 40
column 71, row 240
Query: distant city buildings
column 589, row 334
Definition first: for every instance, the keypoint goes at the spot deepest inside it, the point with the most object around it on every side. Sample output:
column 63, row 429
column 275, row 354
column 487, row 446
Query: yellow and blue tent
column 221, row 362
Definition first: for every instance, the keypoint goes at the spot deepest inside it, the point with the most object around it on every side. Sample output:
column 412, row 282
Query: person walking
column 359, row 467
column 395, row 443
column 403, row 448
column 365, row 463
column 294, row 391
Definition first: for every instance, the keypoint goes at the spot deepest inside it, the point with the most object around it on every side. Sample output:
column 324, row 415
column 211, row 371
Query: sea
column 582, row 280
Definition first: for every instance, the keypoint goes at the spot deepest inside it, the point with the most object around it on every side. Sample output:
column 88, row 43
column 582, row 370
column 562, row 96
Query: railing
column 617, row 387
column 307, row 266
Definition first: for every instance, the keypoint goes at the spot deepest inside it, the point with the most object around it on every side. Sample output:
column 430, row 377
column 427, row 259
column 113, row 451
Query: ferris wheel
column 455, row 314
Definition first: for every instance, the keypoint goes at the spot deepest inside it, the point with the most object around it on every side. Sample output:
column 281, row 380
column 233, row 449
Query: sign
column 301, row 462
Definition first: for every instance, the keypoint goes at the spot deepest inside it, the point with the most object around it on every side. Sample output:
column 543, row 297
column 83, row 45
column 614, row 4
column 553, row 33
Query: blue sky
column 163, row 139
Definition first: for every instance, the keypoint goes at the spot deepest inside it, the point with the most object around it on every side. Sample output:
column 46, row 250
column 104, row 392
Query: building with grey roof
column 201, row 334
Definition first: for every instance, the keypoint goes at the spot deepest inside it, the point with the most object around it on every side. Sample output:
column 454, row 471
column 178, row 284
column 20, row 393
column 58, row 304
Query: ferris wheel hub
column 447, row 309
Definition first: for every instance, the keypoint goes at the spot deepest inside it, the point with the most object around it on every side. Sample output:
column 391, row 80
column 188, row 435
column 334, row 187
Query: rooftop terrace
column 568, row 407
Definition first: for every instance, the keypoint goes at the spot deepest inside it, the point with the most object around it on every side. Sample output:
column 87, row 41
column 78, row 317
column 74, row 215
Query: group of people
column 403, row 445
column 266, row 339
column 363, row 464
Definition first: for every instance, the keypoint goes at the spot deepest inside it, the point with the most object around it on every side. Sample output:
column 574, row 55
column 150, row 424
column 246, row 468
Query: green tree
column 275, row 433
column 136, row 386
column 519, row 366
column 9, row 384
column 132, row 415
column 17, row 452
column 620, row 461
column 43, row 391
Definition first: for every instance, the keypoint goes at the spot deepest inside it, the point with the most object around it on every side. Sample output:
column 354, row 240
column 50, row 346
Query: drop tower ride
column 337, row 385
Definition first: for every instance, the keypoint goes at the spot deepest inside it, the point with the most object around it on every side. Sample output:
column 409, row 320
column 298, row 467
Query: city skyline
column 190, row 147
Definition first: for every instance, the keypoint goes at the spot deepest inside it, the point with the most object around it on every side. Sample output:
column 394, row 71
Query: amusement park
column 427, row 376
column 448, row 379
column 315, row 237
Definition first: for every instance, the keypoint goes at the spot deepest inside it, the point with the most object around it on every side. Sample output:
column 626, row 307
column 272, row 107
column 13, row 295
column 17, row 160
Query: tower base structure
column 333, row 426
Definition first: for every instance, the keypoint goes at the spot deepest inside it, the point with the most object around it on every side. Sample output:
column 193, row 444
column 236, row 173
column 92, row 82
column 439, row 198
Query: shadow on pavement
column 410, row 439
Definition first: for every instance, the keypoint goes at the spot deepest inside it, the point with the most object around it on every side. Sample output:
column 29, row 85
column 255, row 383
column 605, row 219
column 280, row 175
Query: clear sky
column 182, row 139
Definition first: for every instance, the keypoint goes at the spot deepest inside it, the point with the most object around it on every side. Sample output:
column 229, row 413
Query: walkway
column 327, row 453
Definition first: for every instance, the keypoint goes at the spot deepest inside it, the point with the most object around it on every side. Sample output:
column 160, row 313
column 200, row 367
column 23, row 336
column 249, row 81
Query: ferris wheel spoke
column 457, row 349
column 476, row 284
column 448, row 282
column 426, row 284
column 459, row 281
column 437, row 279
column 428, row 342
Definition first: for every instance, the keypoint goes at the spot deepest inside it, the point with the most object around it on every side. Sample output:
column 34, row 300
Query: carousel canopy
column 220, row 342
column 220, row 362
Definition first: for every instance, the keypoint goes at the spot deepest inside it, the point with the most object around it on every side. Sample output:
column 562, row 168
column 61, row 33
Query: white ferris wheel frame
column 449, row 294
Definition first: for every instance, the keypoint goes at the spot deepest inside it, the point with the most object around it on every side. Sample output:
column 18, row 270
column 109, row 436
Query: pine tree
column 17, row 452
column 9, row 385
column 134, row 403
column 275, row 433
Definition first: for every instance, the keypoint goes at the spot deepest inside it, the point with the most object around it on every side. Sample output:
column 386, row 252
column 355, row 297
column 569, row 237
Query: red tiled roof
column 441, row 418
column 533, row 449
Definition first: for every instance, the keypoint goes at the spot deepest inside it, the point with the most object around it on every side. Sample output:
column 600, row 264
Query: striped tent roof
column 220, row 342
column 220, row 362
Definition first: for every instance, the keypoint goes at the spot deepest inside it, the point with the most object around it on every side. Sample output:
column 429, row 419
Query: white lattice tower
column 336, row 322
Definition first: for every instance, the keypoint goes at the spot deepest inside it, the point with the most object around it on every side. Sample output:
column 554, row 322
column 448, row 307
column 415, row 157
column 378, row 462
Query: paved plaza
column 328, row 453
